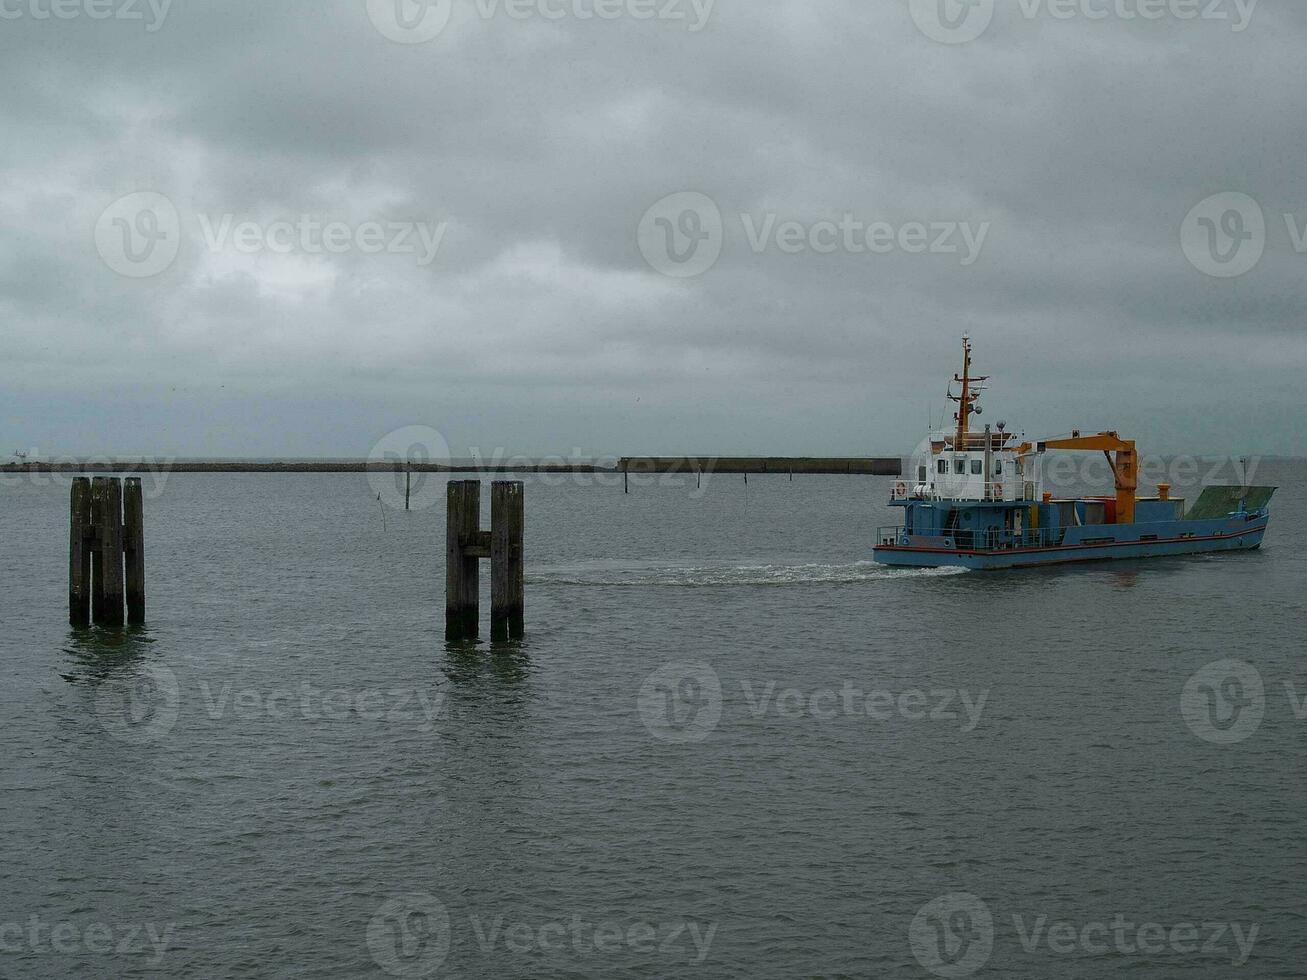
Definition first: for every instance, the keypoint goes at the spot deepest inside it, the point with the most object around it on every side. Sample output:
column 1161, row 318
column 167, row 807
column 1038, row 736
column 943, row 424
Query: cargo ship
column 976, row 499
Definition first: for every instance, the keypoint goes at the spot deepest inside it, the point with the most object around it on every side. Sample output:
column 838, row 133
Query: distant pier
column 779, row 465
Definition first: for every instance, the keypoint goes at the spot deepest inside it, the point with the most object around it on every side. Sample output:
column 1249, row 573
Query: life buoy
column 998, row 490
column 900, row 489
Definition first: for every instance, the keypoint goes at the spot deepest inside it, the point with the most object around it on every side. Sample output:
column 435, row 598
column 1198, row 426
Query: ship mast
column 967, row 399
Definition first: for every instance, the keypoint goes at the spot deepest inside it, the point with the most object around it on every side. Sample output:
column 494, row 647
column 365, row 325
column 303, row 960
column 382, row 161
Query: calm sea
column 729, row 746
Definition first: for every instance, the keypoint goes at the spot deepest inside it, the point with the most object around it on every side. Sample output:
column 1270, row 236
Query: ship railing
column 996, row 490
column 889, row 535
column 990, row 540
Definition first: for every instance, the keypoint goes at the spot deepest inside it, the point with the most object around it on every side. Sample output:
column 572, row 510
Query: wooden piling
column 80, row 538
column 134, row 550
column 107, row 561
column 462, row 580
column 408, row 485
column 507, row 519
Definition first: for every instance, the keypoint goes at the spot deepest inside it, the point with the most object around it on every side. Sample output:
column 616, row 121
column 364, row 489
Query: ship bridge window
column 921, row 474
column 998, row 467
column 960, row 466
column 942, row 466
column 977, row 467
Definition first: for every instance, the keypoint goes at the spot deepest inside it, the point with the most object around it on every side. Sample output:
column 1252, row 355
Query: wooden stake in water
column 134, row 550
column 462, row 580
column 107, row 561
column 507, row 519
column 80, row 537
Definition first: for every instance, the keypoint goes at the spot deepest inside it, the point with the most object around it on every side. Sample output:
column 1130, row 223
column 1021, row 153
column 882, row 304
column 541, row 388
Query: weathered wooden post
column 408, row 484
column 81, row 534
column 507, row 519
column 466, row 544
column 134, row 550
column 106, row 552
column 462, row 580
column 107, row 562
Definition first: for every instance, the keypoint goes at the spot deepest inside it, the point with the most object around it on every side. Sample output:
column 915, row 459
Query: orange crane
column 1125, row 465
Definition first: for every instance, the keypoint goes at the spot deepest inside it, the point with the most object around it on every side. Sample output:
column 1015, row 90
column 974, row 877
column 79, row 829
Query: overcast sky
column 740, row 227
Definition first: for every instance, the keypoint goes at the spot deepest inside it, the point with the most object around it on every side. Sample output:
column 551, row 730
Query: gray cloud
column 540, row 144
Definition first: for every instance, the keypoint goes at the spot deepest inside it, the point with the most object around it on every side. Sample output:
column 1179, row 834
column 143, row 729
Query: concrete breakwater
column 780, row 465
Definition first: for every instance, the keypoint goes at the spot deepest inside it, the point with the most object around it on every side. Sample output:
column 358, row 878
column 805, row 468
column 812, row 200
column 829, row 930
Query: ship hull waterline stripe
column 1251, row 529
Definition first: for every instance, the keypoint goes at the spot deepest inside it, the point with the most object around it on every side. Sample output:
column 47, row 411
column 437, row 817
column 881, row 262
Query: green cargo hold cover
column 1220, row 501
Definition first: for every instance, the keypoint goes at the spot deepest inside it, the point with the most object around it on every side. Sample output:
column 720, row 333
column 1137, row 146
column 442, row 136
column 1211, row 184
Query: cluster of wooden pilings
column 466, row 545
column 106, row 552
column 106, row 556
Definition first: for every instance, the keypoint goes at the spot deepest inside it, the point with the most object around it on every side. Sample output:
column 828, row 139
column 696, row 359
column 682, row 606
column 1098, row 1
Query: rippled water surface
column 728, row 746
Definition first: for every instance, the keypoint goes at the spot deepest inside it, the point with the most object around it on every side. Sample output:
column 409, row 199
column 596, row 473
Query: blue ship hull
column 1154, row 539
